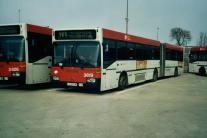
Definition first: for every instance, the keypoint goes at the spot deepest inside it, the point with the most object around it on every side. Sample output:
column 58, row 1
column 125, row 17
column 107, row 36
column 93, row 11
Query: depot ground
column 169, row 108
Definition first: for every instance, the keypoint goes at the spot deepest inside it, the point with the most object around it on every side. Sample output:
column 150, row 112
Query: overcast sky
column 144, row 15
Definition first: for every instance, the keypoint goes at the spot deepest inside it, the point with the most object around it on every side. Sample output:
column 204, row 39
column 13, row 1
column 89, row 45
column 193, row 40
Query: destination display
column 10, row 30
column 75, row 34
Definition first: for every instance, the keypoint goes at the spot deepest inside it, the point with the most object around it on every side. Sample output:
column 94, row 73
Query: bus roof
column 173, row 47
column 39, row 29
column 110, row 34
column 197, row 49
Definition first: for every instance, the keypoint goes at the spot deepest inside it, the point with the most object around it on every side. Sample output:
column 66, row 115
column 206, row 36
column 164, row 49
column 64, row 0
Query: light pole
column 127, row 17
column 19, row 14
column 158, row 33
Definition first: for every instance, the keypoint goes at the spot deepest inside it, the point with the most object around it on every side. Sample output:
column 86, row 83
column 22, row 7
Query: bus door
column 39, row 71
column 109, row 78
column 39, row 58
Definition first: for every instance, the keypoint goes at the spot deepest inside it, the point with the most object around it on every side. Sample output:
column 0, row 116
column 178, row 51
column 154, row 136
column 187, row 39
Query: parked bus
column 198, row 60
column 25, row 54
column 105, row 59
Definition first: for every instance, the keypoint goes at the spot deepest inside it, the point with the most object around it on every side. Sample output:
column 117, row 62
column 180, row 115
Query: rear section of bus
column 173, row 59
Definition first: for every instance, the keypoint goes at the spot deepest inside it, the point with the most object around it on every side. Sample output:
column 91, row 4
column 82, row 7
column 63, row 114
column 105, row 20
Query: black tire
column 202, row 71
column 123, row 82
column 176, row 72
column 155, row 76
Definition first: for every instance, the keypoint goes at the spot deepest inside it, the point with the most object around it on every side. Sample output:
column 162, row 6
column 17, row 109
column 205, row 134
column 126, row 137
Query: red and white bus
column 198, row 60
column 105, row 59
column 25, row 54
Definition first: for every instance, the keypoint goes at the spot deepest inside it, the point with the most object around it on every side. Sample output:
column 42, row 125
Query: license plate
column 72, row 84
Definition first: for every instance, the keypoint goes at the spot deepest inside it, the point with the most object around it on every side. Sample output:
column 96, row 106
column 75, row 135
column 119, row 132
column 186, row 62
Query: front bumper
column 93, row 86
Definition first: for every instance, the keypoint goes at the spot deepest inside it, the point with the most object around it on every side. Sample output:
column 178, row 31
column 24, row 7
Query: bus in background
column 104, row 59
column 25, row 54
column 198, row 60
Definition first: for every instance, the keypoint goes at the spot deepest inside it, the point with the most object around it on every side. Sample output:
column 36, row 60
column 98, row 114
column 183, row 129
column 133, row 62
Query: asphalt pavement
column 169, row 108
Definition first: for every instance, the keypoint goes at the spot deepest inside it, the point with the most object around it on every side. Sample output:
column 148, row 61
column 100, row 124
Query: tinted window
column 198, row 56
column 39, row 46
column 174, row 55
column 131, row 50
column 122, row 51
column 109, row 52
column 146, row 52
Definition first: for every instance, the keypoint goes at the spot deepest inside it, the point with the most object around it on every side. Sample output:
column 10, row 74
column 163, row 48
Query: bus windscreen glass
column 77, row 54
column 12, row 49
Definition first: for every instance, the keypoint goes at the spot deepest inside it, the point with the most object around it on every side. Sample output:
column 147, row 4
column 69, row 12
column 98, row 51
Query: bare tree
column 202, row 42
column 181, row 36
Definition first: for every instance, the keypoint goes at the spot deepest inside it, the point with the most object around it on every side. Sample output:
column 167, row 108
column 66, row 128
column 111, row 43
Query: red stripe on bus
column 174, row 47
column 197, row 49
column 130, row 38
column 39, row 29
column 75, row 74
column 7, row 67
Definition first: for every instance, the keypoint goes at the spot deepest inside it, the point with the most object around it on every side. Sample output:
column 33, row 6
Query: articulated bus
column 104, row 59
column 25, row 54
column 198, row 60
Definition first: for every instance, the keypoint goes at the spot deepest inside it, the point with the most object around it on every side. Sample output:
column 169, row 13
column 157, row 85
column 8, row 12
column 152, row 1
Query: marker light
column 56, row 72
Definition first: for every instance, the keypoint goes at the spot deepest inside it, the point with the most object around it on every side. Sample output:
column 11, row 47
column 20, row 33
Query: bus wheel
column 202, row 71
column 176, row 72
column 155, row 75
column 123, row 81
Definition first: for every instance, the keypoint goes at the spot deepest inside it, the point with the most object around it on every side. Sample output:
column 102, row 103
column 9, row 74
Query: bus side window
column 109, row 52
column 122, row 53
column 131, row 51
column 32, row 42
column 140, row 52
column 205, row 56
column 106, row 48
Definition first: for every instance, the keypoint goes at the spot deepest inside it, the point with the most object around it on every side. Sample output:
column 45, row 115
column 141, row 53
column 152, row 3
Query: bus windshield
column 198, row 56
column 12, row 49
column 77, row 54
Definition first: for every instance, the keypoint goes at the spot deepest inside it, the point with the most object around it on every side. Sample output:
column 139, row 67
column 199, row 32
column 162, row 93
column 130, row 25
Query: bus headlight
column 91, row 80
column 56, row 78
column 15, row 74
